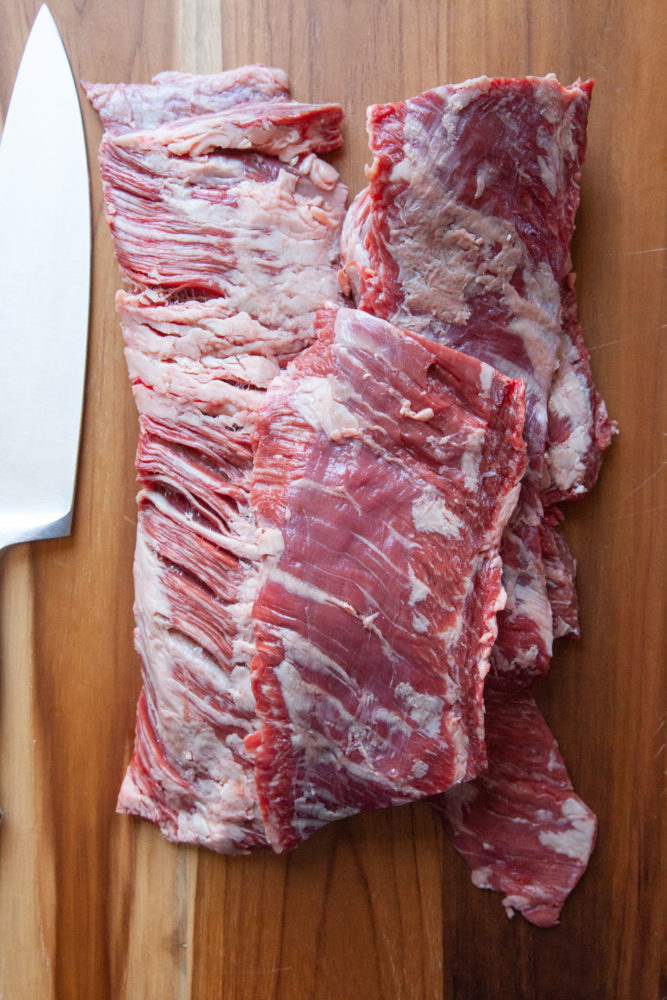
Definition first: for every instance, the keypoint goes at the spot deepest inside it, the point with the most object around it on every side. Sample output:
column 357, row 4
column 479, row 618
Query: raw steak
column 463, row 235
column 388, row 466
column 521, row 827
column 229, row 251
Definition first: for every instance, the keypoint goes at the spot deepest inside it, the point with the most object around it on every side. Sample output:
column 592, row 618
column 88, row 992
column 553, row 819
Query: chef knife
column 44, row 290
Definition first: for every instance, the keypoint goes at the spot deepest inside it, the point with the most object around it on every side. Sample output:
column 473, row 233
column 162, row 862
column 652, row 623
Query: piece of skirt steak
column 463, row 235
column 226, row 224
column 387, row 465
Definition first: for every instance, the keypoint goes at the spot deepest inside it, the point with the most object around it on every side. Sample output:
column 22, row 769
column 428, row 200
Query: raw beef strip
column 248, row 246
column 463, row 235
column 243, row 225
column 388, row 466
column 128, row 107
column 521, row 827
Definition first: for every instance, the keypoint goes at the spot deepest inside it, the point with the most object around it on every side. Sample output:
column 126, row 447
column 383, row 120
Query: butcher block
column 98, row 906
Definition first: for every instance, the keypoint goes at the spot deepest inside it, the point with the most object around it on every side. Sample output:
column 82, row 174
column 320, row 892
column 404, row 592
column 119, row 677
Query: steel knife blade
column 45, row 234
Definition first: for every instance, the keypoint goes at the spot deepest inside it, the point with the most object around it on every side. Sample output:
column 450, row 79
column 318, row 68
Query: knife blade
column 45, row 235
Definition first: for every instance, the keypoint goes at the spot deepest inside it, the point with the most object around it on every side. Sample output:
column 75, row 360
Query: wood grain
column 98, row 907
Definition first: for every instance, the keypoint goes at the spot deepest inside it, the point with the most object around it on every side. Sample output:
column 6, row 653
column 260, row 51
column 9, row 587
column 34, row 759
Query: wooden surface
column 96, row 906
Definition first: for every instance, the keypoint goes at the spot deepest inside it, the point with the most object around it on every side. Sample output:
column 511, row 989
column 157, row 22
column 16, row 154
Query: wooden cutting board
column 97, row 906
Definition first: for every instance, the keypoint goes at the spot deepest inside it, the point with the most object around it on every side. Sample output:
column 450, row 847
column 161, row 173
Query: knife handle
column 27, row 868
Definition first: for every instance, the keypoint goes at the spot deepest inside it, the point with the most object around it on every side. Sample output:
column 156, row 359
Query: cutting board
column 96, row 906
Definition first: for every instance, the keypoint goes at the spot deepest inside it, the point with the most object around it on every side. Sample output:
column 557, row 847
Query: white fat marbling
column 576, row 840
column 430, row 513
column 424, row 709
column 315, row 401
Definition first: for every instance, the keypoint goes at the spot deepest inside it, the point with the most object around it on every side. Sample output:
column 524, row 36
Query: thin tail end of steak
column 520, row 827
